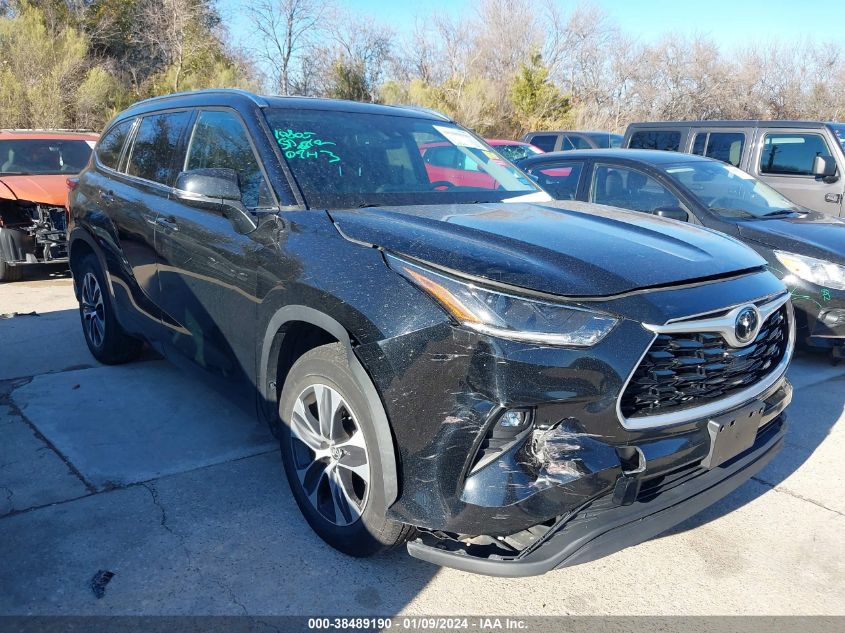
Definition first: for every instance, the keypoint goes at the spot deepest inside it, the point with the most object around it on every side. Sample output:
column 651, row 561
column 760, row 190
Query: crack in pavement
column 232, row 596
column 786, row 491
column 7, row 387
column 151, row 488
column 119, row 487
column 154, row 494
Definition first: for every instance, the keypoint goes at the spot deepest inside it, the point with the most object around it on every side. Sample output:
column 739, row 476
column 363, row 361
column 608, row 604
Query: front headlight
column 816, row 271
column 505, row 315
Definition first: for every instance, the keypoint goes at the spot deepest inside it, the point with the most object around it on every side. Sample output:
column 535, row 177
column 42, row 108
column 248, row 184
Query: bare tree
column 287, row 30
column 355, row 49
column 169, row 28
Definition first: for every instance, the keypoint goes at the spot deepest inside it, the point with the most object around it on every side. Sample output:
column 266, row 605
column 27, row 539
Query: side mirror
column 673, row 213
column 217, row 184
column 216, row 189
column 825, row 167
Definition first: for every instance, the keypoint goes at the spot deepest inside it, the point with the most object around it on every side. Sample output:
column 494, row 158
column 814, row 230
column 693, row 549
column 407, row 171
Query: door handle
column 835, row 198
column 168, row 222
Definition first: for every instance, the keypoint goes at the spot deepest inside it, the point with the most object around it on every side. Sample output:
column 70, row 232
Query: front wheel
column 331, row 455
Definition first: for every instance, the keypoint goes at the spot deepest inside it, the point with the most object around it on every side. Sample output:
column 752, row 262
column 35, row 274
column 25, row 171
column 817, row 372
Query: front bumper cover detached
column 603, row 527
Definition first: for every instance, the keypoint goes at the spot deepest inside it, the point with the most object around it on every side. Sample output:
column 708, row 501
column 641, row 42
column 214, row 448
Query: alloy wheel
column 93, row 310
column 330, row 454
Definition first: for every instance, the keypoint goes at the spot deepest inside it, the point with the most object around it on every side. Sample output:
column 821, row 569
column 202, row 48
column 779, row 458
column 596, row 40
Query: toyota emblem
column 747, row 324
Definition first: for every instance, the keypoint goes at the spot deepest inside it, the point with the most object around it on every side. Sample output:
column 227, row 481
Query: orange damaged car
column 34, row 170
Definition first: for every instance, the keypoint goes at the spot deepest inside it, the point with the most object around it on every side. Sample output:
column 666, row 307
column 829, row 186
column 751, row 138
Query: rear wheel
column 106, row 339
column 9, row 272
column 331, row 455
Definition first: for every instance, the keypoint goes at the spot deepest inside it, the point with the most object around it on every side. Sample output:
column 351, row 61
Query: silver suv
column 803, row 160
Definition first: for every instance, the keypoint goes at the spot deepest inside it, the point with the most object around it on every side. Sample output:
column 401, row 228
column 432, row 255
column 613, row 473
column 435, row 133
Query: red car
column 449, row 166
column 513, row 150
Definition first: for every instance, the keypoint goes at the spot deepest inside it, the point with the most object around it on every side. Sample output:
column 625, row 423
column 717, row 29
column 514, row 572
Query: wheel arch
column 270, row 383
column 81, row 243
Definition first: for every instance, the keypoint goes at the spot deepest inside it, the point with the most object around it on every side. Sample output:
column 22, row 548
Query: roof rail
column 244, row 93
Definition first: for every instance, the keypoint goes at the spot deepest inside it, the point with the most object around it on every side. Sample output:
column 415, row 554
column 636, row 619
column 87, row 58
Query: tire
column 106, row 339
column 334, row 471
column 9, row 272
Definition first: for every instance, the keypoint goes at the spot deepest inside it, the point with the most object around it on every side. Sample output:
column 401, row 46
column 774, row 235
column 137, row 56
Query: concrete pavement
column 144, row 472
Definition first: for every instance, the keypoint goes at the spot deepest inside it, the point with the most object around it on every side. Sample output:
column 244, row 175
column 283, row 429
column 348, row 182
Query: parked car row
column 450, row 358
column 803, row 160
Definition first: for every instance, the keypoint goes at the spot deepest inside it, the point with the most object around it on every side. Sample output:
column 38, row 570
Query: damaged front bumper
column 638, row 507
column 508, row 501
column 32, row 233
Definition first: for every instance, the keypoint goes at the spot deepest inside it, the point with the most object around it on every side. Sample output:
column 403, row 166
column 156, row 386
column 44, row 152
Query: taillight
column 71, row 183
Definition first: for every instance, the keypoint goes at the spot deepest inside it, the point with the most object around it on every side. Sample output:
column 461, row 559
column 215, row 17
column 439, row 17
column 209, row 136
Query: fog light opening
column 510, row 428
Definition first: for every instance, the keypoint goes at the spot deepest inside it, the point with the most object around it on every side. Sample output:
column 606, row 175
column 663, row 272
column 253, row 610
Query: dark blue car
column 804, row 248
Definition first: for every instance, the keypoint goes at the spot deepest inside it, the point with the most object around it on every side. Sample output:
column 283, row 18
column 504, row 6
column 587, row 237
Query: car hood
column 815, row 234
column 51, row 189
column 565, row 248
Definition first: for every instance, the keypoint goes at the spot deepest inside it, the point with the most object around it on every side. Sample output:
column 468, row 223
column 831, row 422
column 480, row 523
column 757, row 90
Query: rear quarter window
column 665, row 140
column 111, row 145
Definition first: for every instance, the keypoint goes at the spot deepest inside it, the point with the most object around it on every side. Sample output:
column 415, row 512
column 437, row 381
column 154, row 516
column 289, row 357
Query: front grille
column 685, row 370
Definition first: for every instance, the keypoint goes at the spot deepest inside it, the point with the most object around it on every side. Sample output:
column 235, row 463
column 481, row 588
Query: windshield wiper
column 779, row 212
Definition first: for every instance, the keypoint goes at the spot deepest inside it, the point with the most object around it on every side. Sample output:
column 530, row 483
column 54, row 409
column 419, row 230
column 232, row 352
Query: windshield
column 346, row 159
column 517, row 151
column 729, row 191
column 43, row 156
column 839, row 131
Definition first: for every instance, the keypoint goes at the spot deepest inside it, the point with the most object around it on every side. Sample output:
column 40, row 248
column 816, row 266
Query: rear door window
column 666, row 140
column 153, row 154
column 724, row 146
column 559, row 179
column 545, row 142
column 791, row 154
column 220, row 140
column 111, row 145
column 572, row 141
column 628, row 188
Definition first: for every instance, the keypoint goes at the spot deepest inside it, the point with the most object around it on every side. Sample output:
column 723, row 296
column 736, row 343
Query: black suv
column 507, row 383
